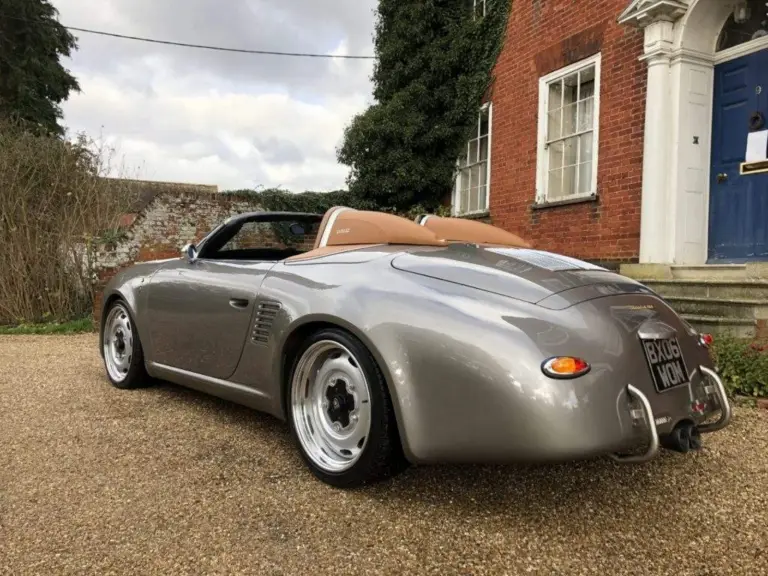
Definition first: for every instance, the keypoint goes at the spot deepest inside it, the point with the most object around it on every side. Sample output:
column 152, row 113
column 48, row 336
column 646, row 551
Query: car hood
column 534, row 276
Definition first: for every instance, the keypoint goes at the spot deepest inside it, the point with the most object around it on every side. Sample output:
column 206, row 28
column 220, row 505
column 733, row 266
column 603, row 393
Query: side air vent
column 265, row 317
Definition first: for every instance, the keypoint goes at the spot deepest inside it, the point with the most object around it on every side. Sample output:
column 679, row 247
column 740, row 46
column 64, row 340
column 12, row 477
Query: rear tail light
column 565, row 367
column 706, row 340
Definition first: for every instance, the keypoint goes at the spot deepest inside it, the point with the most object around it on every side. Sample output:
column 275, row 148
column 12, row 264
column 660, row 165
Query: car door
column 200, row 313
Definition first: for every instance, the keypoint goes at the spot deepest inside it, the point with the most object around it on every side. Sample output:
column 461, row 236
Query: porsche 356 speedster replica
column 384, row 341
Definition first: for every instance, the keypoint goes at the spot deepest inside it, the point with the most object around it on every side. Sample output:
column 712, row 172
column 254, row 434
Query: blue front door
column 738, row 205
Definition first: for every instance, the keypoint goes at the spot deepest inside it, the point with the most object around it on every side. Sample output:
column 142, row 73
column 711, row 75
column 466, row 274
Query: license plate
column 665, row 359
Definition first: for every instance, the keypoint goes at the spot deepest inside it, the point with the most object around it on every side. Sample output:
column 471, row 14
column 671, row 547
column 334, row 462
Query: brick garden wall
column 542, row 37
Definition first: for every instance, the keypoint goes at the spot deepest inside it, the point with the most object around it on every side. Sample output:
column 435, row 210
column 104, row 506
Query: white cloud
column 231, row 120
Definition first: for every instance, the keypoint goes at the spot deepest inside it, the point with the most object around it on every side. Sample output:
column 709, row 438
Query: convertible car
column 384, row 341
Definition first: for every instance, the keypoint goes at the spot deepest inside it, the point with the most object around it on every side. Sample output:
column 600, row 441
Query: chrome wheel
column 331, row 406
column 118, row 343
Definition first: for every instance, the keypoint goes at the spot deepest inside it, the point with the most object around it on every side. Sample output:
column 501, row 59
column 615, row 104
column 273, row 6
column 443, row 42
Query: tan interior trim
column 327, row 251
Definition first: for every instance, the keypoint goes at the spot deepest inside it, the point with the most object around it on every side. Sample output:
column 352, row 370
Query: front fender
column 130, row 285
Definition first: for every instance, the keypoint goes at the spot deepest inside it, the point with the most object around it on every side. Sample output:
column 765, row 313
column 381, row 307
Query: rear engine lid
column 534, row 276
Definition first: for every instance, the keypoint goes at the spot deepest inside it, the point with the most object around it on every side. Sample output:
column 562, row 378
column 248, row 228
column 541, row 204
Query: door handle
column 722, row 177
column 239, row 303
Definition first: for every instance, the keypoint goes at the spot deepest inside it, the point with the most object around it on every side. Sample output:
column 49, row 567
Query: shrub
column 318, row 202
column 53, row 203
column 434, row 66
column 743, row 365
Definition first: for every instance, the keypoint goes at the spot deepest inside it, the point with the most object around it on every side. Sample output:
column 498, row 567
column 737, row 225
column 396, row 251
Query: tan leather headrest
column 324, row 224
column 344, row 226
column 474, row 231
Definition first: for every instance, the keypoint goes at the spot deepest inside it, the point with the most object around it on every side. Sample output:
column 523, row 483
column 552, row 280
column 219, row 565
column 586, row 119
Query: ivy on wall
column 276, row 200
column 434, row 66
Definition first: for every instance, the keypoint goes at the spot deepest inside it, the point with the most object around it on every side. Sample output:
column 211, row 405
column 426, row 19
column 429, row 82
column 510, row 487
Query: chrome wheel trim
column 118, row 343
column 326, row 372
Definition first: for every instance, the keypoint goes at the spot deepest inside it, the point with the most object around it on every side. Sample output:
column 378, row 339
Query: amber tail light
column 565, row 367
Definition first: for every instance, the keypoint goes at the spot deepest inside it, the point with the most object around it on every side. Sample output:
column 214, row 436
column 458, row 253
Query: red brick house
column 617, row 131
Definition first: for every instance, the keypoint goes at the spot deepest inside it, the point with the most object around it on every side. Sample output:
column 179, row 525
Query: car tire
column 354, row 376
column 121, row 349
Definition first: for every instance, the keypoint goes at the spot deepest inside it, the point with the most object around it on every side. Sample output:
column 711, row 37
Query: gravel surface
column 94, row 480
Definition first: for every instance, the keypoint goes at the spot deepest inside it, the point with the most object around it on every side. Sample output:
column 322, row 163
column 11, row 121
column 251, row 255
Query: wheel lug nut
column 354, row 418
column 337, row 427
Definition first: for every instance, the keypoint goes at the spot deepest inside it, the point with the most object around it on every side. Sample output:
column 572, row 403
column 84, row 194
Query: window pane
column 464, row 190
column 472, row 151
column 587, row 89
column 483, row 148
column 556, row 155
column 586, row 144
column 587, row 81
column 754, row 27
column 569, row 181
column 554, row 184
column 553, row 129
column 483, row 190
column 555, row 95
column 570, row 88
column 586, row 112
column 569, row 119
column 585, row 177
column 484, row 123
column 571, row 151
column 474, row 176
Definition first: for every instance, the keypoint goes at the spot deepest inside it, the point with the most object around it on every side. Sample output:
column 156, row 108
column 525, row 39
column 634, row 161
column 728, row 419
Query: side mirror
column 190, row 252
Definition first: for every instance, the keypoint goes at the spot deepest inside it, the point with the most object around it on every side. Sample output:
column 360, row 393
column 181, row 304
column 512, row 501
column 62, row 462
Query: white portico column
column 655, row 240
column 658, row 204
column 655, row 214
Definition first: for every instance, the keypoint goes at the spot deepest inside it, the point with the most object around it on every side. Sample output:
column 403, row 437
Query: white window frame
column 475, row 4
column 456, row 196
column 542, row 155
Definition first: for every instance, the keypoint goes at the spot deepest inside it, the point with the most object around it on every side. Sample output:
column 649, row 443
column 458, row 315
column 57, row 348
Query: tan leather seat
column 344, row 228
column 474, row 231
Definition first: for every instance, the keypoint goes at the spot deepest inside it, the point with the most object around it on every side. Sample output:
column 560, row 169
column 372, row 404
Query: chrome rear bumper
column 725, row 406
column 651, row 452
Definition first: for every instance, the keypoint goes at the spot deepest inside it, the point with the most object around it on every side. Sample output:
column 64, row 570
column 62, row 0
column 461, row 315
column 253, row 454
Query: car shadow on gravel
column 598, row 484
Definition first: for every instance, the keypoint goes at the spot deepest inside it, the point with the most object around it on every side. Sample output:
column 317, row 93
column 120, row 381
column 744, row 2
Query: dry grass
column 94, row 480
column 53, row 203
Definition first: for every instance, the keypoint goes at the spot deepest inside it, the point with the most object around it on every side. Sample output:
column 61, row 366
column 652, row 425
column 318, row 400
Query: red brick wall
column 544, row 36
column 172, row 220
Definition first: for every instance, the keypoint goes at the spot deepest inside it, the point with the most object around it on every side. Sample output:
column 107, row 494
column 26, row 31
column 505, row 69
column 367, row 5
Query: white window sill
column 473, row 215
column 577, row 199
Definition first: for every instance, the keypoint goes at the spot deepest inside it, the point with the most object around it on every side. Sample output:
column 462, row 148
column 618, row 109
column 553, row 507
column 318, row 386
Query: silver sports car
column 384, row 341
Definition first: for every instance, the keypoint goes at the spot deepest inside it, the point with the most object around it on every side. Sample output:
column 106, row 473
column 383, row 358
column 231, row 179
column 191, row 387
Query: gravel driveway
column 168, row 481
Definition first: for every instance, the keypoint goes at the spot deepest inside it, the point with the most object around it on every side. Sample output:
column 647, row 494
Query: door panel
column 738, row 206
column 200, row 313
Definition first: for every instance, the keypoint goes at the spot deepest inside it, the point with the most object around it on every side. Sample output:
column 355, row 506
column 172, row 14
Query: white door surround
column 679, row 48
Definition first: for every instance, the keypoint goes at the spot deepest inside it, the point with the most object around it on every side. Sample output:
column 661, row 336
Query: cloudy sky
column 235, row 120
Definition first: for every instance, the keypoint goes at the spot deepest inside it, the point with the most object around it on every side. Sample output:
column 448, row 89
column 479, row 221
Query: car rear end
column 671, row 391
column 642, row 377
